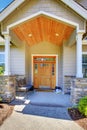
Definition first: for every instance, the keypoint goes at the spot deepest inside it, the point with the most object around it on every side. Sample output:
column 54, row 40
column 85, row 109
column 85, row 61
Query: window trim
column 4, row 55
column 84, row 53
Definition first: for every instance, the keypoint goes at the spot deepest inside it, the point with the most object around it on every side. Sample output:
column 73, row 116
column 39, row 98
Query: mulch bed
column 78, row 117
column 5, row 111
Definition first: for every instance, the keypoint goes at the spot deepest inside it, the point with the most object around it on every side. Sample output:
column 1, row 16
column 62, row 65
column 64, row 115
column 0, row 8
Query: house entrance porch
column 51, row 35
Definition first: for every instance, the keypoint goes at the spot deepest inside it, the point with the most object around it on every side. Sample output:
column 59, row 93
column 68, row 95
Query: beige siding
column 1, row 48
column 17, row 60
column 84, row 48
column 15, row 40
column 27, row 62
column 69, row 60
column 82, row 3
column 46, row 48
column 50, row 6
column 61, row 67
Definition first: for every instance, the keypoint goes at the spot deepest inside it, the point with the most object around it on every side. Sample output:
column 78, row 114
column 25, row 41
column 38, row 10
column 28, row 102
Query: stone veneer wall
column 67, row 84
column 7, row 88
column 78, row 89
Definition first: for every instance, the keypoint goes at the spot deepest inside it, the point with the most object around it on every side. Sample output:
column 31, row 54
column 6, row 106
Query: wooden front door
column 44, row 71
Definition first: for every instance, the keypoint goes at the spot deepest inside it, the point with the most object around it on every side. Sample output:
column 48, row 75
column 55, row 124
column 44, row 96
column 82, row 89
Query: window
column 2, row 62
column 44, row 58
column 84, row 65
column 36, row 68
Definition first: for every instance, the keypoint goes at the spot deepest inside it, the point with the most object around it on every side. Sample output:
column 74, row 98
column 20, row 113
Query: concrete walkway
column 41, row 111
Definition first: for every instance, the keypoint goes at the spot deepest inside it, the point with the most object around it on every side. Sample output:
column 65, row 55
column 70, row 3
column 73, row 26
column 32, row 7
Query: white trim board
column 45, row 55
column 76, row 7
column 45, row 14
column 73, row 5
column 85, row 53
column 84, row 42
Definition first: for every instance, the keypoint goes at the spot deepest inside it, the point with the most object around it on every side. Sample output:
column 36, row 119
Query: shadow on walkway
column 47, row 104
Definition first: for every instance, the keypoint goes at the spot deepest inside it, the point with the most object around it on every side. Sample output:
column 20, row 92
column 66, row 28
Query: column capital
column 80, row 32
column 6, row 35
column 79, row 35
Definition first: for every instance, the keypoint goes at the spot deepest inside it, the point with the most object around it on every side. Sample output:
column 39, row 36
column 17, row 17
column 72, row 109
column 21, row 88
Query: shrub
column 1, row 70
column 82, row 105
column 0, row 99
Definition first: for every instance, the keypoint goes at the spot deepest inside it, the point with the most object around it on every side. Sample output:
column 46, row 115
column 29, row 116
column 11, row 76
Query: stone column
column 79, row 55
column 7, row 54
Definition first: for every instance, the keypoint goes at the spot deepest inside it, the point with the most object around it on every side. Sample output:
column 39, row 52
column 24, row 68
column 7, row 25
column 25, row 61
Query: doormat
column 44, row 90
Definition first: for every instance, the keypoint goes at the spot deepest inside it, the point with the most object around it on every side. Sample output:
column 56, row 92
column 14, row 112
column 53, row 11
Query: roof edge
column 72, row 4
column 76, row 7
column 10, row 9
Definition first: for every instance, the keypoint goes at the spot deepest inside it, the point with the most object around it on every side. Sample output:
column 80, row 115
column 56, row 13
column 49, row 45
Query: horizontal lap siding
column 17, row 60
column 50, row 6
column 82, row 2
column 84, row 48
column 46, row 48
column 27, row 61
column 2, row 49
column 69, row 60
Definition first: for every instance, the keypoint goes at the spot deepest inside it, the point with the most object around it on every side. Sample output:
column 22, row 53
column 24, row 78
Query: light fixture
column 56, row 34
column 30, row 35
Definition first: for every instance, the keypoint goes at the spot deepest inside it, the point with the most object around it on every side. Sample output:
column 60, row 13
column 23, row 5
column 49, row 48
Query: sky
column 4, row 4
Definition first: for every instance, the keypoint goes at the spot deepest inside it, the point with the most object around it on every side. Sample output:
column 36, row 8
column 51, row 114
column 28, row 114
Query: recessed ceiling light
column 57, row 34
column 30, row 35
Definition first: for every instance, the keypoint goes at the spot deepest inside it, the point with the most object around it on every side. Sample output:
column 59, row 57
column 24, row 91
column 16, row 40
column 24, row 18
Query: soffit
column 43, row 29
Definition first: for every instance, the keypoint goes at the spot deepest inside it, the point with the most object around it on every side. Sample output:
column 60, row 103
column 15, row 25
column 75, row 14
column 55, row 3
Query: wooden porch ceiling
column 43, row 29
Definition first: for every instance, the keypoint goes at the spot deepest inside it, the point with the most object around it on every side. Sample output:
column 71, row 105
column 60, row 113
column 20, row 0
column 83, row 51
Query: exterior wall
column 46, row 48
column 69, row 65
column 50, row 6
column 60, row 69
column 17, row 60
column 7, row 88
column 69, row 60
column 67, row 84
column 84, row 48
column 1, row 48
column 15, row 39
column 27, row 62
column 78, row 89
column 82, row 2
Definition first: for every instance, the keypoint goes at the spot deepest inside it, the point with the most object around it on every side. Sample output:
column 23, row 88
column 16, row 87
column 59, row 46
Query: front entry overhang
column 43, row 26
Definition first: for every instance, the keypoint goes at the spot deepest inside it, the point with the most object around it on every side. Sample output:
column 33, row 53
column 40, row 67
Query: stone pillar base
column 78, row 89
column 67, row 84
column 7, row 88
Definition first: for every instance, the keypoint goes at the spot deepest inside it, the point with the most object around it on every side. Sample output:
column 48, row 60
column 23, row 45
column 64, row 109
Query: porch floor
column 44, row 98
column 40, row 111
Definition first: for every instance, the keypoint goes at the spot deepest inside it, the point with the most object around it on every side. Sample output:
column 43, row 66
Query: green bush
column 1, row 70
column 82, row 105
column 0, row 99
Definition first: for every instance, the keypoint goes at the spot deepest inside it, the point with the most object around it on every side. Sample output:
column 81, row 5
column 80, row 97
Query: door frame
column 44, row 55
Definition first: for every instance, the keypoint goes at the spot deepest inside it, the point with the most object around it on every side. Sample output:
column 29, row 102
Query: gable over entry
column 46, row 27
column 43, row 28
